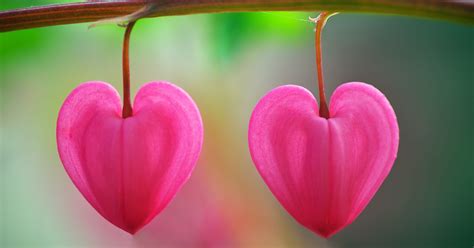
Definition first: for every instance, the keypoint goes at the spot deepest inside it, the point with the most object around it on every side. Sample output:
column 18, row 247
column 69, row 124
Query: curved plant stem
column 461, row 11
column 127, row 103
column 320, row 22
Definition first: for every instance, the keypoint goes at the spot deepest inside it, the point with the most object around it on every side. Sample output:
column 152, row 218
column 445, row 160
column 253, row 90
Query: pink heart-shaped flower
column 324, row 171
column 129, row 169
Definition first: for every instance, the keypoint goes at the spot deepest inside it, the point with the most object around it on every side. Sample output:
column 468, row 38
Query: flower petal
column 324, row 171
column 129, row 169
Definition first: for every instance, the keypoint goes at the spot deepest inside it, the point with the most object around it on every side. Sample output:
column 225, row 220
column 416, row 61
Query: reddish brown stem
column 41, row 16
column 127, row 110
column 320, row 21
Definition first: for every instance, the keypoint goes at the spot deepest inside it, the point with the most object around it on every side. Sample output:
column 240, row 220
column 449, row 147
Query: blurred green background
column 226, row 62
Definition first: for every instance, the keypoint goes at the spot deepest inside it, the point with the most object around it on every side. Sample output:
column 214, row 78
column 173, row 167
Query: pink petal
column 129, row 169
column 324, row 171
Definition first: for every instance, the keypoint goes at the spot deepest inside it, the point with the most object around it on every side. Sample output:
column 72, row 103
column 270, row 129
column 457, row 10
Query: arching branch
column 10, row 20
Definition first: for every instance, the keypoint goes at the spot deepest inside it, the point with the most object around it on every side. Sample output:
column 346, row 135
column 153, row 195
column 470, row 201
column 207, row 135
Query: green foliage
column 230, row 32
column 9, row 4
